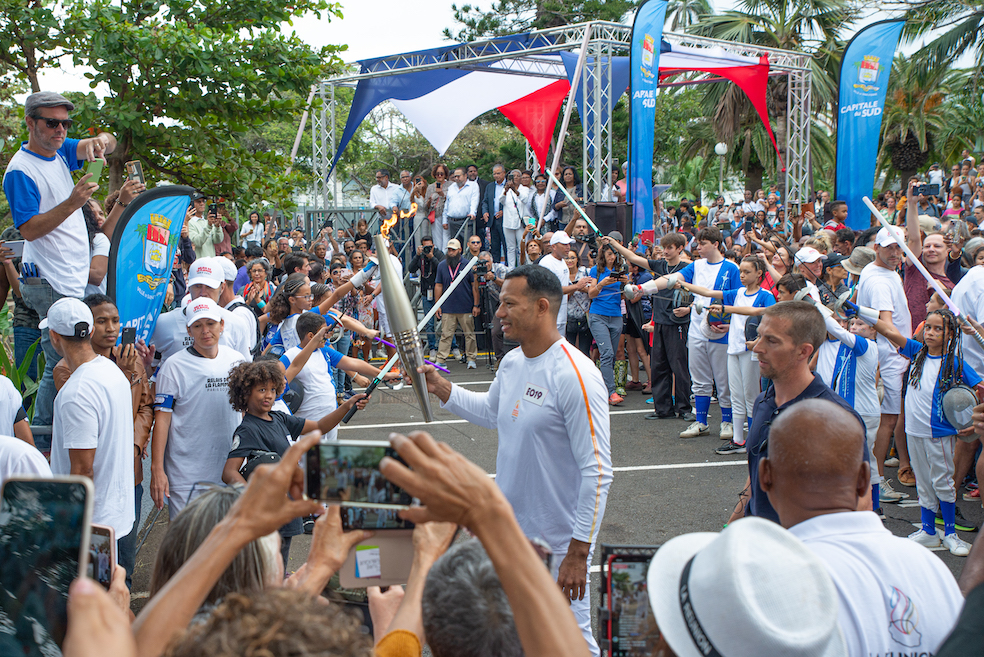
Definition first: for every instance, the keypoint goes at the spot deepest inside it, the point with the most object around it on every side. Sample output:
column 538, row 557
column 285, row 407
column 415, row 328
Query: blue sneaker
column 649, row 401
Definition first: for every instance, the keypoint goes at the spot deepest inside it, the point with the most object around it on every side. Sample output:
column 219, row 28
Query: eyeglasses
column 302, row 296
column 474, row 242
column 54, row 123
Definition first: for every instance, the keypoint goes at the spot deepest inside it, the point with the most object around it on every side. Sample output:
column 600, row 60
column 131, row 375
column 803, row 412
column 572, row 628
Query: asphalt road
column 663, row 485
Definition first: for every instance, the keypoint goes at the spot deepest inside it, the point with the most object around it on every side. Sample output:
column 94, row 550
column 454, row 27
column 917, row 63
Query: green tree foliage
column 915, row 113
column 959, row 29
column 31, row 38
column 516, row 16
column 191, row 80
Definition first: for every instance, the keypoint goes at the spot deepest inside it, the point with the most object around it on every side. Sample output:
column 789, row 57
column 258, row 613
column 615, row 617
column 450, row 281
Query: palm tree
column 963, row 22
column 915, row 114
column 814, row 27
column 681, row 14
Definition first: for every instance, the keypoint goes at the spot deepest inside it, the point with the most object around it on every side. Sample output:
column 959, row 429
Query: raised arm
column 630, row 256
column 702, row 291
column 912, row 222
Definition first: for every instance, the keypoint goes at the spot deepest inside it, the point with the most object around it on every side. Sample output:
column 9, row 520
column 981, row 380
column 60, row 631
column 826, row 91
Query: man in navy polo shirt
column 790, row 333
column 461, row 307
column 46, row 205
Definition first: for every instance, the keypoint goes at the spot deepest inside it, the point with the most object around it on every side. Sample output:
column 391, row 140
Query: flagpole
column 571, row 101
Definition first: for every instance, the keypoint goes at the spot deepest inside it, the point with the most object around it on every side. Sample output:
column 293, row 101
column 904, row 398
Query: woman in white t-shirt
column 193, row 420
column 252, row 231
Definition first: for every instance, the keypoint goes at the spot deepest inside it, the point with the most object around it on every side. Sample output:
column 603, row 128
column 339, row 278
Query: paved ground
column 663, row 486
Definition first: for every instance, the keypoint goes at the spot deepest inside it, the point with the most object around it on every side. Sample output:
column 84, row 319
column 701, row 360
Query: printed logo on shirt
column 535, row 394
column 162, row 401
column 216, row 383
column 903, row 619
column 235, row 441
column 515, row 412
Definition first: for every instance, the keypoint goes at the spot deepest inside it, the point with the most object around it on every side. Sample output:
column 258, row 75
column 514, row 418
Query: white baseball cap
column 205, row 271
column 754, row 577
column 228, row 269
column 202, row 308
column 560, row 237
column 885, row 238
column 808, row 255
column 69, row 317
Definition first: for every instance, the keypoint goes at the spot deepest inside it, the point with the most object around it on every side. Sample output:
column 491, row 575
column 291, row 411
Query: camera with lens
column 591, row 240
column 428, row 248
column 481, row 268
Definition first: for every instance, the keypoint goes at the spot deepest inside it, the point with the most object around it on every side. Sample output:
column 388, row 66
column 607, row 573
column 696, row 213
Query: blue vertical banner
column 145, row 241
column 865, row 70
column 647, row 38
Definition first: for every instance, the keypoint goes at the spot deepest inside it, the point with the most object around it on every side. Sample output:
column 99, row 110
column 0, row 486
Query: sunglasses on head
column 54, row 123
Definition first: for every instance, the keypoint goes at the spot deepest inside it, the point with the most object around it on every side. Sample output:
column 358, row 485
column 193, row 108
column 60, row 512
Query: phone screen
column 102, row 555
column 129, row 335
column 43, row 528
column 95, row 168
column 633, row 627
column 349, row 474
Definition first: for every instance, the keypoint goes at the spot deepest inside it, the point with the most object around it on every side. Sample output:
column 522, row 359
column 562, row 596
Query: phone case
column 394, row 555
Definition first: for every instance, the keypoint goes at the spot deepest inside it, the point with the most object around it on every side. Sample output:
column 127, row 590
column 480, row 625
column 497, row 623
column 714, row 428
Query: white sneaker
column 694, row 430
column 888, row 494
column 892, row 462
column 456, row 353
column 926, row 540
column 727, row 431
column 956, row 545
column 433, row 354
column 471, row 365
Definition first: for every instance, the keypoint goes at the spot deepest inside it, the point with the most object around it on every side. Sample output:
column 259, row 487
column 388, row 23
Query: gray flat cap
column 46, row 99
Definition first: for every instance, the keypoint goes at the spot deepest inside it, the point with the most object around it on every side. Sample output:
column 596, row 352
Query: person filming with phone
column 46, row 205
column 550, row 401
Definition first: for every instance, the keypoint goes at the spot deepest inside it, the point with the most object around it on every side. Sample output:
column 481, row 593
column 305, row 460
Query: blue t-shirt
column 23, row 192
column 608, row 303
column 462, row 299
column 330, row 354
column 938, row 424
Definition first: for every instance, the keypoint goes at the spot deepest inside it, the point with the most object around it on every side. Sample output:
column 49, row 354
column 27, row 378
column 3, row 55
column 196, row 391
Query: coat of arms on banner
column 868, row 71
column 156, row 237
column 648, row 54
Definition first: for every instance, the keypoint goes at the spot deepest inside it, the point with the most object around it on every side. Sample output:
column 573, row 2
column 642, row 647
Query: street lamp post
column 721, row 149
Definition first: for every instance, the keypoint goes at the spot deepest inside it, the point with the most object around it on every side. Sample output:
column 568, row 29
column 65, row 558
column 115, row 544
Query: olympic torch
column 402, row 321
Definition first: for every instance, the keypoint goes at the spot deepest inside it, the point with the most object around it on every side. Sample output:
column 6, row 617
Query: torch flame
column 389, row 223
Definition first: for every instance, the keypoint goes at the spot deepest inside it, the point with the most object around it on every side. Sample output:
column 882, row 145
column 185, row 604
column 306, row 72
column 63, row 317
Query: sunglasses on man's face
column 54, row 123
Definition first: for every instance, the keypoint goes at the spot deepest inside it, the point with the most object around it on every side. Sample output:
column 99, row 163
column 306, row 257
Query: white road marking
column 420, row 424
column 678, row 466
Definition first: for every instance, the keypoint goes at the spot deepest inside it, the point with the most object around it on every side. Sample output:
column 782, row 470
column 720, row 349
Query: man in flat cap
column 47, row 209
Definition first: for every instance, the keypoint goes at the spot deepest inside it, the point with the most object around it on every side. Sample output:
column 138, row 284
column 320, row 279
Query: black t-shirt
column 273, row 435
column 663, row 300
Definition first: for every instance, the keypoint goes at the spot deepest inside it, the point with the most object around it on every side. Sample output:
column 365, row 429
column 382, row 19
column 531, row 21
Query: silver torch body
column 403, row 323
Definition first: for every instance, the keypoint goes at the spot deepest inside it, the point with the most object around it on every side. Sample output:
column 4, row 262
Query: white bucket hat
column 752, row 590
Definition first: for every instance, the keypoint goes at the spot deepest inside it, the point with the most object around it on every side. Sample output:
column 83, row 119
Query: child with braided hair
column 936, row 366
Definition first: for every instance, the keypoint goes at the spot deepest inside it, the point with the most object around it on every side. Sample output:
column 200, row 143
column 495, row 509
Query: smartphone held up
column 45, row 529
column 346, row 472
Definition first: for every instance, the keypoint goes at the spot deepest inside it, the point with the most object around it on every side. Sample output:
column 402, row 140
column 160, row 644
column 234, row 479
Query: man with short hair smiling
column 46, row 205
column 379, row 194
column 551, row 403
column 560, row 246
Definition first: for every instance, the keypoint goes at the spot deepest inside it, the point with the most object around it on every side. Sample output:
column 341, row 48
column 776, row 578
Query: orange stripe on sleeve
column 594, row 439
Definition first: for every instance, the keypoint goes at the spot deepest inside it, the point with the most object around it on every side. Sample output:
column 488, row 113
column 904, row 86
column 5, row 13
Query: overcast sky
column 371, row 29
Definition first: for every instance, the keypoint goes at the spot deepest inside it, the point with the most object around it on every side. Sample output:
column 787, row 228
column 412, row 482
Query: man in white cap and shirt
column 205, row 279
column 233, row 302
column 880, row 287
column 560, row 246
column 193, row 420
column 752, row 589
column 92, row 433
